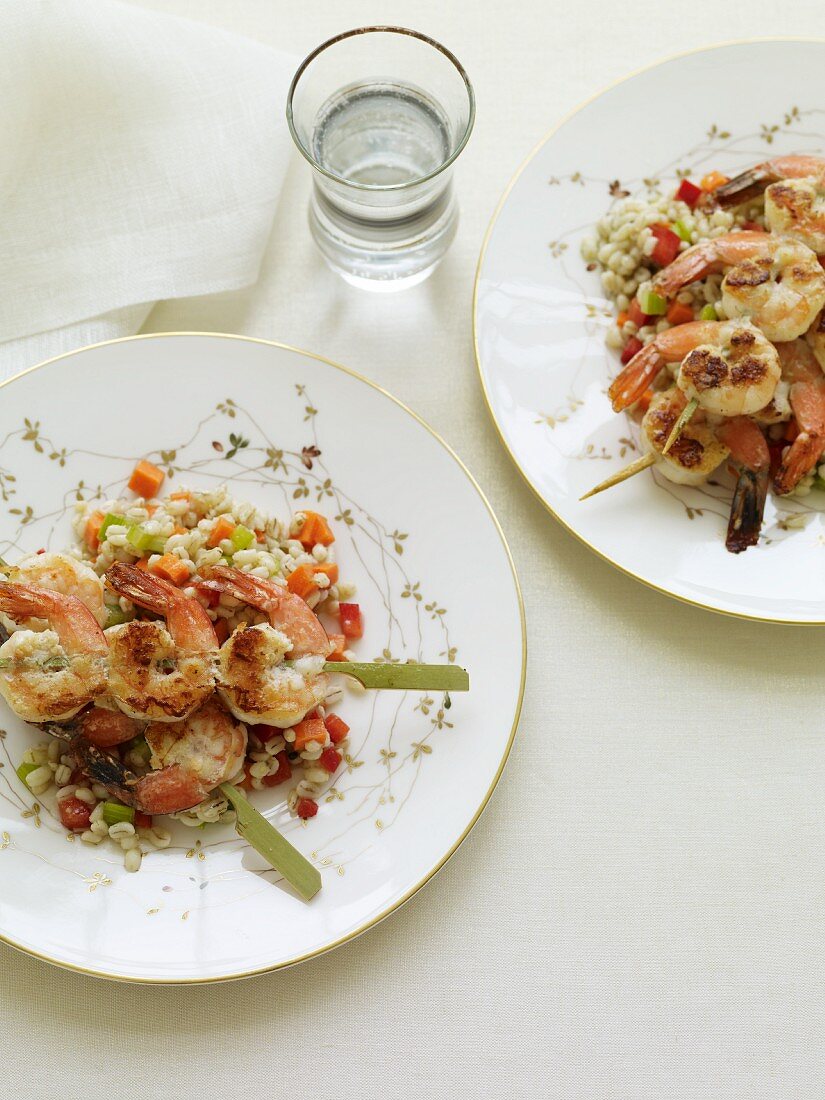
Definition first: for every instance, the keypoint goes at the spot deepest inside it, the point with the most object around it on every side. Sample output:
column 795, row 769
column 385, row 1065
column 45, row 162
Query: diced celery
column 242, row 538
column 143, row 540
column 25, row 770
column 653, row 304
column 682, row 231
column 111, row 520
column 114, row 616
column 708, row 313
column 113, row 812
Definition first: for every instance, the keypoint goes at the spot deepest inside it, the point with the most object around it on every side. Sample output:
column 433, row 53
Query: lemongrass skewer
column 635, row 467
column 685, row 415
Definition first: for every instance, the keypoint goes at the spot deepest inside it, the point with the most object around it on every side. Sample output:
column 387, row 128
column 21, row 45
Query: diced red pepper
column 266, row 733
column 74, row 814
column 667, row 245
column 352, row 623
column 689, row 193
column 336, row 728
column 636, row 314
column 631, row 348
column 143, row 821
column 283, row 773
column 306, row 807
column 330, row 759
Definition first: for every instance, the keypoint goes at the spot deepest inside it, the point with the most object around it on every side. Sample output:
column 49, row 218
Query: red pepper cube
column 667, row 245
column 306, row 807
column 74, row 814
column 352, row 622
column 636, row 314
column 142, row 821
column 631, row 348
column 336, row 728
column 689, row 193
column 283, row 773
column 330, row 760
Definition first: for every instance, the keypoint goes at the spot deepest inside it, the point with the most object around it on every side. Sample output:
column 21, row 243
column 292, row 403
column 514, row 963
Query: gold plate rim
column 91, row 972
column 484, row 391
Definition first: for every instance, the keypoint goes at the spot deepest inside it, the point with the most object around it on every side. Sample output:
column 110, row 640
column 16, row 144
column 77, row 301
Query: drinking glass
column 381, row 114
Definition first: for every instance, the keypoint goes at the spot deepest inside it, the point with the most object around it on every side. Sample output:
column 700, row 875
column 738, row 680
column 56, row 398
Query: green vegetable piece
column 276, row 849
column 111, row 520
column 653, row 304
column 24, row 771
column 682, row 231
column 409, row 677
column 142, row 540
column 708, row 313
column 242, row 538
column 113, row 812
column 114, row 616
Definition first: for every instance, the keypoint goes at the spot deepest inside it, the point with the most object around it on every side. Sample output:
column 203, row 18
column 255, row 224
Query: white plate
column 435, row 581
column 540, row 321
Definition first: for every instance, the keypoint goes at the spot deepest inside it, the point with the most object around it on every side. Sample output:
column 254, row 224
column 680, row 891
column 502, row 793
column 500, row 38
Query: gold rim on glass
column 485, row 393
column 451, row 57
column 517, row 714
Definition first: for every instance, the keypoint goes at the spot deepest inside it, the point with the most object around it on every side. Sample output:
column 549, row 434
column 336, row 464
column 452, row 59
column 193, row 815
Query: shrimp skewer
column 807, row 398
column 750, row 184
column 189, row 760
column 254, row 682
column 49, row 675
column 161, row 673
column 775, row 281
column 727, row 366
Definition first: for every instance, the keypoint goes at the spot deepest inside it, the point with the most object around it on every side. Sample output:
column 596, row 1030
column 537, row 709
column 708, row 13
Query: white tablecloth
column 640, row 913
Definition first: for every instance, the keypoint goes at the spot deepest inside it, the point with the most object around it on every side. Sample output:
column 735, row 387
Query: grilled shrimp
column 807, row 398
column 61, row 573
column 49, row 675
column 159, row 672
column 776, row 282
column 254, row 683
column 189, row 760
column 695, row 454
column 796, row 209
column 750, row 184
column 727, row 366
column 106, row 728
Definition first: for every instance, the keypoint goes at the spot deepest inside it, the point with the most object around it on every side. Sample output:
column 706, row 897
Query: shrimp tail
column 747, row 508
column 103, row 768
column 630, row 383
column 689, row 266
column 799, row 459
column 746, row 187
column 140, row 587
column 243, row 586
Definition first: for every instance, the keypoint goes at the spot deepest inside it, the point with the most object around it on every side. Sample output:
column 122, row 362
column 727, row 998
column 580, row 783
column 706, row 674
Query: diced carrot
column 328, row 568
column 92, row 533
column 712, row 180
column 315, row 529
column 636, row 314
column 643, row 403
column 339, row 644
column 178, row 530
column 142, row 564
column 151, row 509
column 146, row 479
column 260, row 535
column 222, row 530
column 310, row 729
column 221, row 630
column 170, row 568
column 622, row 319
column 679, row 313
column 181, row 494
column 300, row 581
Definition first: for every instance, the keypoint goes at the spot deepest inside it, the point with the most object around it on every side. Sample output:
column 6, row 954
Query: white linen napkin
column 141, row 159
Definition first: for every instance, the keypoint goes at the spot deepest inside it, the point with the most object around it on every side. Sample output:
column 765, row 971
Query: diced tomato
column 631, row 348
column 352, row 622
column 667, row 245
column 306, row 807
column 636, row 314
column 336, row 728
column 712, row 181
column 283, row 773
column 330, row 759
column 143, row 821
column 74, row 814
column 689, row 193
